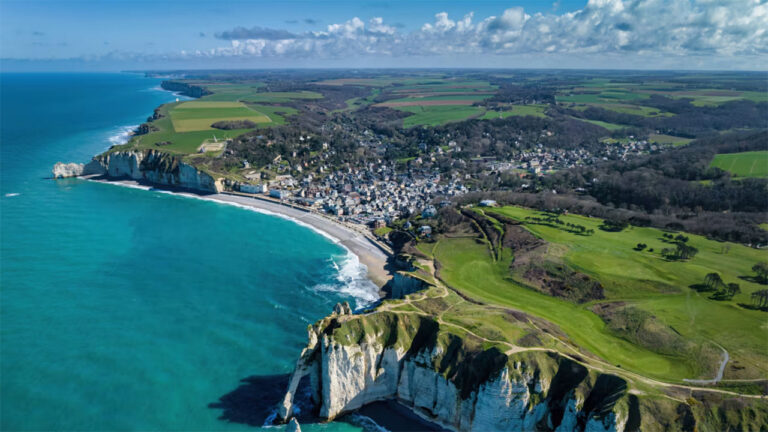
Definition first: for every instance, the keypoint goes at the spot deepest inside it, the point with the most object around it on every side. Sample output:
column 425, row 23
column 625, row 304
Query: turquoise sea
column 128, row 309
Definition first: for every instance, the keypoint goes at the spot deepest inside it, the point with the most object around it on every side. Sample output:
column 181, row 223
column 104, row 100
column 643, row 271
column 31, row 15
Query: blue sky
column 644, row 34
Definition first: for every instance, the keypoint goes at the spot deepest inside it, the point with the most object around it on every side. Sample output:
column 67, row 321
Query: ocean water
column 128, row 309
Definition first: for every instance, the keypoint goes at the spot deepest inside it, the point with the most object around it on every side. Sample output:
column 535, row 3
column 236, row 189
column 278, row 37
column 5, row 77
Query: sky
column 105, row 35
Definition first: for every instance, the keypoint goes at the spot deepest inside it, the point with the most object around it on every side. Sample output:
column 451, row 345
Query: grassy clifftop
column 553, row 379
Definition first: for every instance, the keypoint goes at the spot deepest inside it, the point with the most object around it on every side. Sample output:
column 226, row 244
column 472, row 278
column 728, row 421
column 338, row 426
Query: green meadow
column 198, row 116
column 438, row 114
column 606, row 125
column 439, row 90
column 184, row 126
column 669, row 139
column 460, row 97
column 517, row 110
column 745, row 164
column 643, row 279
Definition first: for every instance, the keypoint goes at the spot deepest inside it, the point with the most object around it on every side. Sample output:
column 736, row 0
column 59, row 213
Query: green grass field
column 638, row 110
column 669, row 139
column 643, row 279
column 623, row 97
column 437, row 115
column 517, row 110
column 609, row 95
column 606, row 125
column 462, row 97
column 187, row 124
column 746, row 164
column 198, row 116
column 439, row 90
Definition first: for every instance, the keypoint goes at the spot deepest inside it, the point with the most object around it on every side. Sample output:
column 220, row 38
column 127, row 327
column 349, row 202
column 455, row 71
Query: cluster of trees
column 689, row 120
column 233, row 124
column 722, row 291
column 681, row 251
column 761, row 272
column 669, row 188
column 554, row 221
column 672, row 237
column 760, row 299
column 642, row 246
column 740, row 227
column 613, row 225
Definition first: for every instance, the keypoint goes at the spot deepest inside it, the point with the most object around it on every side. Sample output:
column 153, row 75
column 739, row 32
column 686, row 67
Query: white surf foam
column 351, row 274
column 367, row 423
column 12, row 194
column 351, row 280
column 122, row 135
column 177, row 94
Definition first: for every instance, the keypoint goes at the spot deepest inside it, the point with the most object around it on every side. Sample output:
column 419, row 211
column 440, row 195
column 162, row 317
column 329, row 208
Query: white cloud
column 645, row 27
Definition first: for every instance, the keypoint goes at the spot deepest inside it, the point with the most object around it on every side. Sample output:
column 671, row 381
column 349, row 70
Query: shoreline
column 369, row 254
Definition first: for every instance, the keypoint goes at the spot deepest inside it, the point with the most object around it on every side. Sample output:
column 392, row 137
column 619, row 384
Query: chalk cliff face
column 404, row 284
column 355, row 360
column 63, row 170
column 150, row 166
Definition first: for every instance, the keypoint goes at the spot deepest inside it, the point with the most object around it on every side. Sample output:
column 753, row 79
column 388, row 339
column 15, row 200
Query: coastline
column 369, row 254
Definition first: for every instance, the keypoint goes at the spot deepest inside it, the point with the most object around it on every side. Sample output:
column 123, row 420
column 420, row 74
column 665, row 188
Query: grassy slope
column 606, row 125
column 517, row 110
column 437, row 115
column 746, row 164
column 642, row 278
column 669, row 139
column 187, row 124
column 196, row 116
column 182, row 143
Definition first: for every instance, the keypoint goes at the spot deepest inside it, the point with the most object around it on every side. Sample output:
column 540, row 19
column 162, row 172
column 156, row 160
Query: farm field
column 517, row 110
column 610, row 95
column 746, row 164
column 382, row 81
column 437, row 115
column 638, row 110
column 437, row 102
column 643, row 279
column 199, row 115
column 606, row 125
column 669, row 139
column 184, row 126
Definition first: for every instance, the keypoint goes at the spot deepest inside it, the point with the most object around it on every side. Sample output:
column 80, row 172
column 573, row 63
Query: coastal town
column 380, row 193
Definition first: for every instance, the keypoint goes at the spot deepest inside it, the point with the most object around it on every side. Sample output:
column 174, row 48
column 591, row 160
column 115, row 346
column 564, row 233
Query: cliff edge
column 146, row 166
column 467, row 384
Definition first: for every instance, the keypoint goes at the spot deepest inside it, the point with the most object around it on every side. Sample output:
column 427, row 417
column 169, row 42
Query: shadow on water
column 255, row 400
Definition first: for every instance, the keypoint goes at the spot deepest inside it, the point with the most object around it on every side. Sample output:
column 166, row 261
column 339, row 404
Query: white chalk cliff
column 356, row 360
column 149, row 166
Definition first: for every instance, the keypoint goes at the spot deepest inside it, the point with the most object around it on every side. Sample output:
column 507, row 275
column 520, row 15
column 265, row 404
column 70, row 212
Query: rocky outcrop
column 353, row 360
column 64, row 170
column 147, row 166
column 293, row 426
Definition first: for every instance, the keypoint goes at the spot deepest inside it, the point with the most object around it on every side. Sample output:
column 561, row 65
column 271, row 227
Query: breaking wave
column 365, row 422
column 352, row 280
column 351, row 276
column 122, row 135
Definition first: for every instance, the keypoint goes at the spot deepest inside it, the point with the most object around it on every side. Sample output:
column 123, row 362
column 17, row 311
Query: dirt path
column 568, row 351
column 717, row 377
